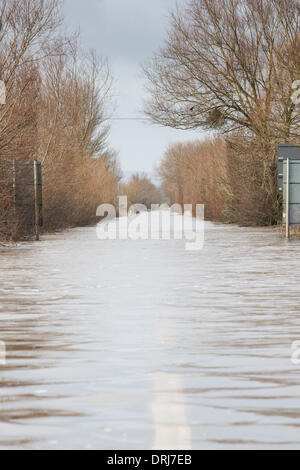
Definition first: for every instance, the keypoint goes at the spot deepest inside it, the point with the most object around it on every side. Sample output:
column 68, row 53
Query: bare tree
column 57, row 110
column 80, row 168
column 196, row 172
column 140, row 190
column 222, row 67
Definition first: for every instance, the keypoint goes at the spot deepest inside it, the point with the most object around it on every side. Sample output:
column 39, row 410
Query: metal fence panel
column 294, row 191
column 286, row 151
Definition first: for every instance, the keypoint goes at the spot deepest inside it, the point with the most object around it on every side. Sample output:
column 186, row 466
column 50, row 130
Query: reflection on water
column 141, row 344
column 172, row 431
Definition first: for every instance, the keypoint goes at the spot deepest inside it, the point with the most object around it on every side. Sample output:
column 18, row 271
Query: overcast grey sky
column 127, row 32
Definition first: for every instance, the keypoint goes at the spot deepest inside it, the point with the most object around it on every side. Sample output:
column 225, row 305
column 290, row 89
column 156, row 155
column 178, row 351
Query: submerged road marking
column 172, row 431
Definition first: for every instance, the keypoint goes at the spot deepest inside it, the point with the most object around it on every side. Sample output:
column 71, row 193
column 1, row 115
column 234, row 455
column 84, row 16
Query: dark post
column 287, row 217
column 14, row 186
column 36, row 199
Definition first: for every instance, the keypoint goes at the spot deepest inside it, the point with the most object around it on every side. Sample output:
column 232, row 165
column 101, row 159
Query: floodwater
column 144, row 345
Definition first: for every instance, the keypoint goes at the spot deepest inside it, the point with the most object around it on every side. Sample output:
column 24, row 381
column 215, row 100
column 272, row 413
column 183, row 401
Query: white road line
column 172, row 431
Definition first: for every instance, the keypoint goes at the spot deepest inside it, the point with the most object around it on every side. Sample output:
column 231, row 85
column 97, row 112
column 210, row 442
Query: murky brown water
column 141, row 344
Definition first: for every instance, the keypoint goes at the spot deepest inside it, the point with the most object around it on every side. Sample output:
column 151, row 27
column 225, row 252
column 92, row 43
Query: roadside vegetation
column 140, row 190
column 57, row 109
column 227, row 67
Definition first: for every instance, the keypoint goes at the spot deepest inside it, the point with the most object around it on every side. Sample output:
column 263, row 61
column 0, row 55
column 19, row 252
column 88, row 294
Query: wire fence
column 20, row 199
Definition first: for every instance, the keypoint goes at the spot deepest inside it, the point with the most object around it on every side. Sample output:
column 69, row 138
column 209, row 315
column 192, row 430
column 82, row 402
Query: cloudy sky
column 127, row 32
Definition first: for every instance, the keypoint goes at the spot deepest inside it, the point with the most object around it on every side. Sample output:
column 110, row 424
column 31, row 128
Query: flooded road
column 143, row 345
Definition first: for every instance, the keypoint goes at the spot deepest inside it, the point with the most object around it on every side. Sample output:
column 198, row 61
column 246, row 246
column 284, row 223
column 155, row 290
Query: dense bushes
column 251, row 182
column 196, row 172
column 80, row 170
column 56, row 112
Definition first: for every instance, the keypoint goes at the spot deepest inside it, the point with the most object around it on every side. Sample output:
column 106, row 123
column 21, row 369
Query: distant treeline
column 228, row 67
column 140, row 190
column 56, row 111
